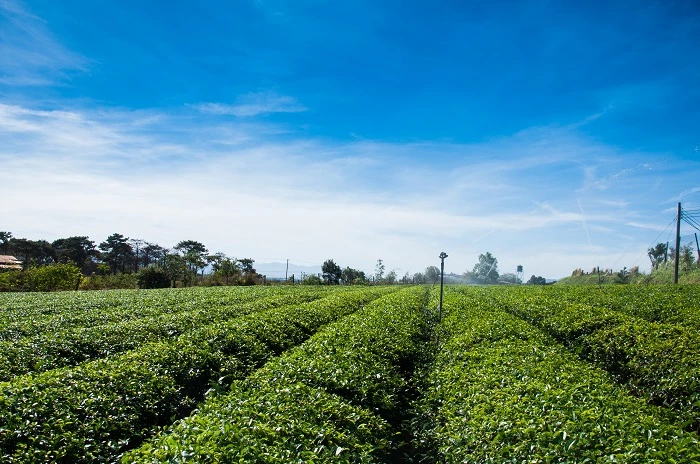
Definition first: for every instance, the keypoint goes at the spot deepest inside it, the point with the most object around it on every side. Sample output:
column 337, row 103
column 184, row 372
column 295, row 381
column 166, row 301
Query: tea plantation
column 348, row 374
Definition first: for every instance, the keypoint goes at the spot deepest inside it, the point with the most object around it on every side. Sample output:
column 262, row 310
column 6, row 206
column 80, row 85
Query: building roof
column 10, row 262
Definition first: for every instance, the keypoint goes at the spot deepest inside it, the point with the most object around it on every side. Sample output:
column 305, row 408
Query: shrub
column 42, row 279
column 152, row 277
column 107, row 282
column 312, row 280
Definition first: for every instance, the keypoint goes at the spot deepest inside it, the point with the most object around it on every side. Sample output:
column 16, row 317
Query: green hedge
column 657, row 361
column 30, row 314
column 339, row 397
column 97, row 410
column 502, row 391
column 69, row 347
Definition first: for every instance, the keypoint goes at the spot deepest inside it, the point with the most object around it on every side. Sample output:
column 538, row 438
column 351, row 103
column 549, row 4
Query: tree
column 137, row 245
column 152, row 254
column 657, row 254
column 379, row 271
column 117, row 252
column 352, row 276
column 175, row 267
column 623, row 276
column 37, row 252
column 510, row 278
column 5, row 238
column 539, row 280
column 331, row 272
column 486, row 270
column 246, row 265
column 225, row 267
column 390, row 277
column 79, row 250
column 432, row 274
column 195, row 255
column 686, row 257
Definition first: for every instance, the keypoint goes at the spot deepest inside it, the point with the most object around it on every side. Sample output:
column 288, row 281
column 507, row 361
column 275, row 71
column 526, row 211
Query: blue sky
column 554, row 136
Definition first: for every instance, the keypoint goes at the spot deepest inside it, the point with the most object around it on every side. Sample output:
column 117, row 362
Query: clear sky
column 553, row 135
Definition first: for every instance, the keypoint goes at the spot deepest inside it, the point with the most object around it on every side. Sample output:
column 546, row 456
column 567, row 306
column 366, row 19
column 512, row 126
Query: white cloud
column 257, row 190
column 254, row 104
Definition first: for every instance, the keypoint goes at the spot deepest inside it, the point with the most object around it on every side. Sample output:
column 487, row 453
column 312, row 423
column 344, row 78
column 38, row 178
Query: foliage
column 109, row 282
column 112, row 404
column 225, row 267
column 5, row 238
column 352, row 276
column 79, row 250
column 331, row 272
column 68, row 345
column 30, row 252
column 175, row 267
column 379, row 271
column 42, row 279
column 432, row 274
column 510, row 278
column 657, row 254
column 686, row 257
column 502, row 391
column 332, row 399
column 117, row 252
column 538, row 280
column 312, row 279
column 486, row 270
column 194, row 255
column 153, row 277
column 340, row 374
column 658, row 361
column 246, row 265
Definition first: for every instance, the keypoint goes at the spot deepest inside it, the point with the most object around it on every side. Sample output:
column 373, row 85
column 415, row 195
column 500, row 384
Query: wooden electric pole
column 678, row 244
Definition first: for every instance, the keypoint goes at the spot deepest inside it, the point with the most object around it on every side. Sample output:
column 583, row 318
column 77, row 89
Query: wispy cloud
column 254, row 104
column 31, row 55
column 688, row 192
column 164, row 176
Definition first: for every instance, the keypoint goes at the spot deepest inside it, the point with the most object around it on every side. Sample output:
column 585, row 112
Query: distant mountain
column 276, row 270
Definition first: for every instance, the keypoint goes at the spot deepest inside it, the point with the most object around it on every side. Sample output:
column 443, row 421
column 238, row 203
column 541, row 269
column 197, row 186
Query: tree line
column 182, row 264
column 334, row 274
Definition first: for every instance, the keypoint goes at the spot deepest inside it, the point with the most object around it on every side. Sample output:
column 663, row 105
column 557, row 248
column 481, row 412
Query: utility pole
column 678, row 244
column 697, row 245
column 286, row 271
column 598, row 276
column 442, row 257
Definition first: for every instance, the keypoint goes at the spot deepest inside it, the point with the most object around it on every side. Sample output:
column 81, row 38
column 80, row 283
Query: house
column 10, row 262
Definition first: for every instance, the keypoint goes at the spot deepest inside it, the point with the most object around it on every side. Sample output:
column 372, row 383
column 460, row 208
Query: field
column 351, row 374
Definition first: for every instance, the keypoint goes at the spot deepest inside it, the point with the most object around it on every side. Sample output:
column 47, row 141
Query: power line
column 656, row 241
column 693, row 223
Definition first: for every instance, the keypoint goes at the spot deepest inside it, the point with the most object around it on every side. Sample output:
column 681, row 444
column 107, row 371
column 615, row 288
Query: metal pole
column 697, row 246
column 442, row 257
column 678, row 244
